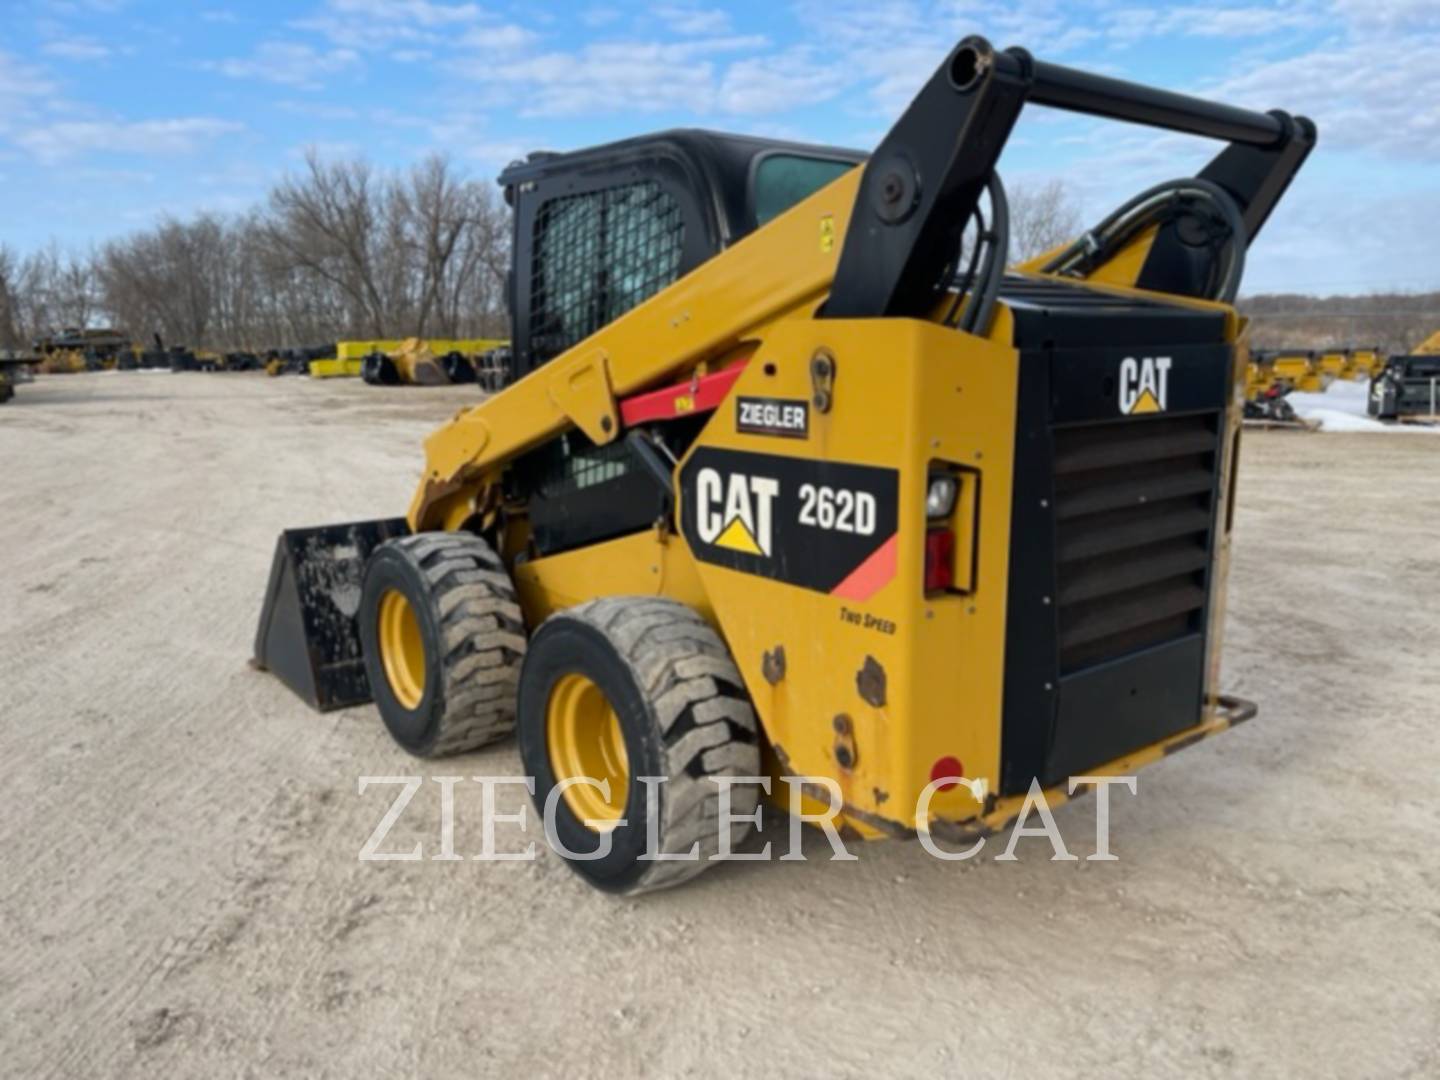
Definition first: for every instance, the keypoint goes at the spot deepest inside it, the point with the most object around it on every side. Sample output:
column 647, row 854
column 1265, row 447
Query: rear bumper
column 1221, row 714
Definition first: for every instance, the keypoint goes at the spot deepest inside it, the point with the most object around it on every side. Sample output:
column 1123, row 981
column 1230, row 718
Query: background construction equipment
column 1408, row 388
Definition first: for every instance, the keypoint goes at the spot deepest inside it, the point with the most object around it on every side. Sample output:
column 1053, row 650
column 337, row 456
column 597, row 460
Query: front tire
column 443, row 639
column 629, row 687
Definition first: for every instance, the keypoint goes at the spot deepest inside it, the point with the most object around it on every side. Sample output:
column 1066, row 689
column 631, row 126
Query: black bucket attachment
column 308, row 635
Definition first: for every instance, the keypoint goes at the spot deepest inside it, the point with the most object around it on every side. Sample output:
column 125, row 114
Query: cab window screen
column 782, row 180
column 597, row 256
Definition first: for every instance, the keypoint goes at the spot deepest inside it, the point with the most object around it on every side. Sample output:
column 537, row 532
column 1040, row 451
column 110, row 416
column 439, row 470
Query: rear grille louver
column 1134, row 510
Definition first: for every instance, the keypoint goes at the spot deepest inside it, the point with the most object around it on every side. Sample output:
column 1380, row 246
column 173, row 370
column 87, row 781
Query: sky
column 115, row 113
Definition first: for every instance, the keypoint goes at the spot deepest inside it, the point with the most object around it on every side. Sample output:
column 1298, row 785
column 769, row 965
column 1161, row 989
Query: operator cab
column 599, row 231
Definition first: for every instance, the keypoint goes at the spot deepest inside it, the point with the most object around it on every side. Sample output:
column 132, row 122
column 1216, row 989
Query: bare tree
column 326, row 224
column 338, row 251
column 10, row 336
column 1041, row 218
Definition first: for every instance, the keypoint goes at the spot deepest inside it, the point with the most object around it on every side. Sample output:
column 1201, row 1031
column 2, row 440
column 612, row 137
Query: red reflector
column 947, row 766
column 939, row 560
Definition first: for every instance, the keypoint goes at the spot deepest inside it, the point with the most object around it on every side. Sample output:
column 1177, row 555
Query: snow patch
column 1342, row 409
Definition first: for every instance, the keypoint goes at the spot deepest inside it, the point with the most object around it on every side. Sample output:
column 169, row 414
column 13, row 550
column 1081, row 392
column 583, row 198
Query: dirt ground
column 181, row 893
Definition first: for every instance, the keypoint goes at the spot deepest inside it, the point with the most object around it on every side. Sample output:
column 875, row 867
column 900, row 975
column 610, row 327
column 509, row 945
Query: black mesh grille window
column 571, row 464
column 597, row 256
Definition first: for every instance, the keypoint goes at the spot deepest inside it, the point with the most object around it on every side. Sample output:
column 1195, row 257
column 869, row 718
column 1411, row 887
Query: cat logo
column 1144, row 385
column 736, row 511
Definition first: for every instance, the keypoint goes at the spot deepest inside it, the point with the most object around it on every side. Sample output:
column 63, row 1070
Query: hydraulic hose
column 1162, row 203
column 979, row 315
column 978, row 291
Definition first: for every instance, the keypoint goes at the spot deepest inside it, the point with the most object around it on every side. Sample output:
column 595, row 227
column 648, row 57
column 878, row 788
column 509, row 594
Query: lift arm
column 924, row 181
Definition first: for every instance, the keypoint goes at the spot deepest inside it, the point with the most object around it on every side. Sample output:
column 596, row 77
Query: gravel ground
column 181, row 894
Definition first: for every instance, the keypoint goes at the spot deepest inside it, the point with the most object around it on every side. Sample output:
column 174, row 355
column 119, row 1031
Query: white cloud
column 420, row 12
column 1329, row 239
column 374, row 25
column 614, row 77
column 61, row 141
column 1390, row 14
column 693, row 19
column 320, row 110
column 1128, row 25
column 599, row 16
column 777, row 83
column 26, row 91
column 1357, row 104
column 20, row 81
column 76, row 49
column 287, row 64
column 333, row 149
column 497, row 38
column 81, row 7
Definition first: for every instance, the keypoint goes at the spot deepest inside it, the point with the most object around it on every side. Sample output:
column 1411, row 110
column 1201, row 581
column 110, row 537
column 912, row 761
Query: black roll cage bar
column 924, row 181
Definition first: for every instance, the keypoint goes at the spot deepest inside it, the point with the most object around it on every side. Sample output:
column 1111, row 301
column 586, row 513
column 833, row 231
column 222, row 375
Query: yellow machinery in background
column 1265, row 393
column 76, row 350
column 349, row 359
column 345, row 364
column 298, row 360
column 1429, row 347
column 62, row 362
column 1364, row 364
column 1300, row 369
column 1350, row 363
column 785, row 485
column 419, row 362
column 1333, row 364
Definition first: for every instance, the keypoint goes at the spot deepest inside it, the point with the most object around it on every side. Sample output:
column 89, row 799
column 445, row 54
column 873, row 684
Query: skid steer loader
column 791, row 480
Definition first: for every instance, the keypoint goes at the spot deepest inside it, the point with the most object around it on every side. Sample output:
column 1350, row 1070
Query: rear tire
column 443, row 639
column 683, row 715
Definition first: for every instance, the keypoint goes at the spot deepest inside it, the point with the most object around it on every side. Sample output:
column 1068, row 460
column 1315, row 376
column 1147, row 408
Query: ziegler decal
column 820, row 525
column 1144, row 385
column 786, row 417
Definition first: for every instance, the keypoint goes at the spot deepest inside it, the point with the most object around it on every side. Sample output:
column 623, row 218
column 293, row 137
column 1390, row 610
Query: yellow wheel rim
column 584, row 738
column 402, row 649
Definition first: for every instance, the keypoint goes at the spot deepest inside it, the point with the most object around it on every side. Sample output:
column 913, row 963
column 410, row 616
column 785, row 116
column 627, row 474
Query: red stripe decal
column 684, row 399
column 872, row 575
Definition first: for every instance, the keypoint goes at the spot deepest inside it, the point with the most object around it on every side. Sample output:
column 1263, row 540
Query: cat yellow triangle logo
column 1145, row 403
column 1144, row 385
column 737, row 537
column 736, row 511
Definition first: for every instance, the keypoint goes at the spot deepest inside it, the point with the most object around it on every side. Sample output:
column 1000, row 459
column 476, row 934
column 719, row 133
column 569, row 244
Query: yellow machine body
column 946, row 398
column 947, row 523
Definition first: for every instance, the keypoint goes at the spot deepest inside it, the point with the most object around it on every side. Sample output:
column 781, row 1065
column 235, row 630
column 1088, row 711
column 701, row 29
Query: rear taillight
column 939, row 560
column 952, row 510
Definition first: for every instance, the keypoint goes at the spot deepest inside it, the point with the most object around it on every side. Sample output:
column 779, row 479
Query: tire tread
column 707, row 725
column 482, row 635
